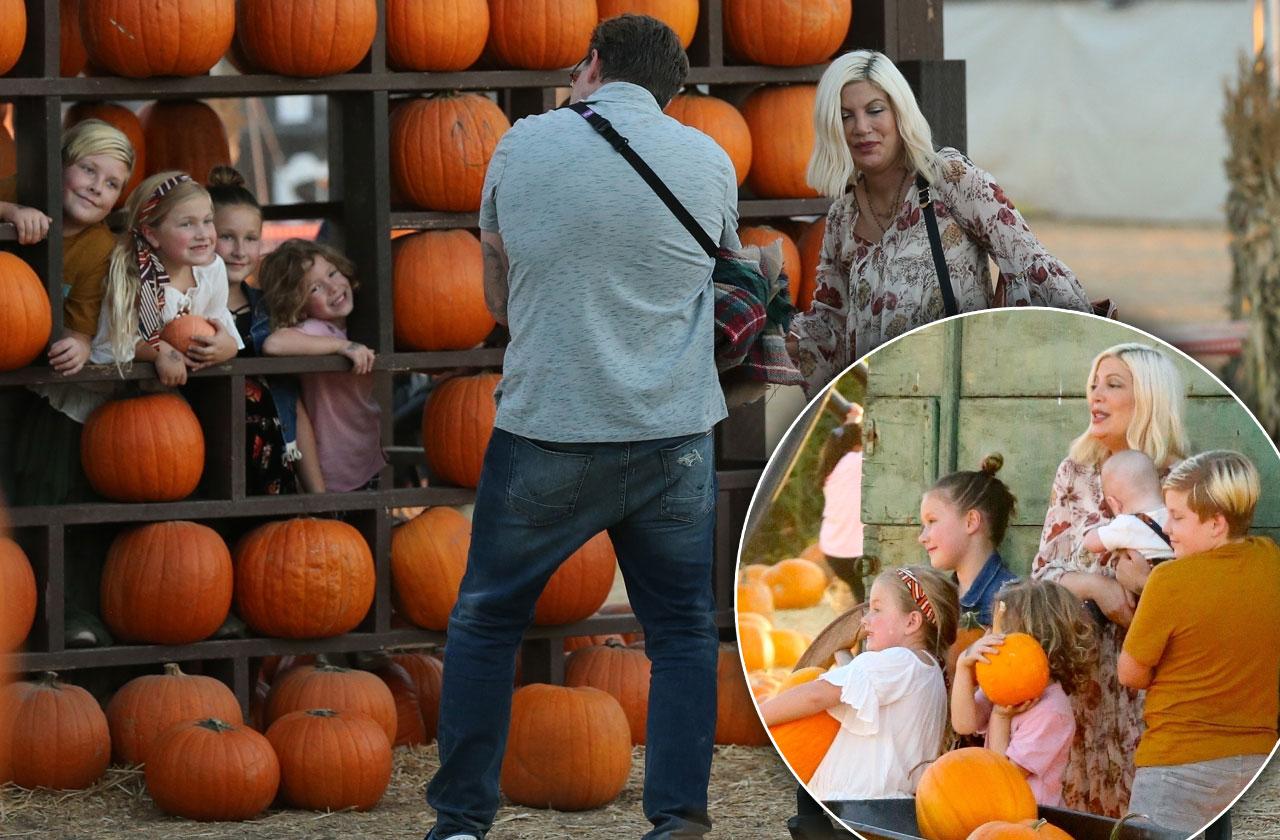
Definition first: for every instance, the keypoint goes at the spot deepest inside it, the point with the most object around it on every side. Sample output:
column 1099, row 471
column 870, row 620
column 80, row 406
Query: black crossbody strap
column 935, row 245
column 606, row 130
column 1154, row 526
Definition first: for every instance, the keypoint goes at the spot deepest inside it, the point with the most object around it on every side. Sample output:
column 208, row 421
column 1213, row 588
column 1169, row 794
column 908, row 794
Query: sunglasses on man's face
column 577, row 70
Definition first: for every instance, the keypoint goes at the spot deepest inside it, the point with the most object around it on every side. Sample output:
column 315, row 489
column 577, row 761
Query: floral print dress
column 869, row 292
column 1100, row 767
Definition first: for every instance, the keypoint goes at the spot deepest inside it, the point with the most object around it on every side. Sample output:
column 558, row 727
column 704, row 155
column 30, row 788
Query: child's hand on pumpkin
column 206, row 350
column 978, row 651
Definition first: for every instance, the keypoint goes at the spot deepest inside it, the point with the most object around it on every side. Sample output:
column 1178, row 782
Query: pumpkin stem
column 1115, row 832
column 48, row 679
column 1035, row 826
column 324, row 713
column 614, row 642
column 215, row 725
column 171, row 669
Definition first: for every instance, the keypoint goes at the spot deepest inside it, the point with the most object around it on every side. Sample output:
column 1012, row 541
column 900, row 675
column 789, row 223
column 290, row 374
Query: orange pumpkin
column 58, row 736
column 428, row 559
column 25, row 319
column 620, row 671
column 780, row 118
column 140, row 38
column 1037, row 829
column 568, row 748
column 1017, row 672
column 796, row 584
column 764, row 235
column 754, row 597
column 409, row 727
column 737, row 721
column 125, row 120
column 325, row 686
column 804, row 742
column 153, row 567
column 788, row 646
column 801, row 676
column 18, row 583
column 143, row 449
column 754, row 619
column 306, row 37
column 304, row 578
column 13, row 35
column 184, row 135
column 437, row 290
column 331, row 760
column 752, row 572
column 179, row 332
column 756, row 646
column 718, row 120
column 72, row 55
column 946, row 807
column 810, row 248
column 147, row 706
column 456, row 425
column 784, row 33
column 210, row 769
column 540, row 34
column 763, row 685
column 680, row 15
column 440, row 149
column 580, row 586
column 436, row 35
column 427, row 673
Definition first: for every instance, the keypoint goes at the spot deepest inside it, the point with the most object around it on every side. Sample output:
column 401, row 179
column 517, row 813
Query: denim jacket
column 982, row 594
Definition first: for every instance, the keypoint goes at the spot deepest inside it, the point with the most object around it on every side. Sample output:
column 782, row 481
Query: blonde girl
column 164, row 265
column 891, row 700
column 1037, row 734
column 963, row 518
column 309, row 292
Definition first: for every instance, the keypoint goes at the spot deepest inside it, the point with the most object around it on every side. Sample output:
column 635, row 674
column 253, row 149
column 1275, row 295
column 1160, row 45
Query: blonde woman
column 876, row 274
column 1135, row 397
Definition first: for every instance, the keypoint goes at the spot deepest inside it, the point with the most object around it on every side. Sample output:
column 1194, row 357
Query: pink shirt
column 1039, row 740
column 345, row 417
column 841, row 533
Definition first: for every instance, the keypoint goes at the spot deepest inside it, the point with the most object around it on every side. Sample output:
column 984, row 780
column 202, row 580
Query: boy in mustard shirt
column 1205, row 643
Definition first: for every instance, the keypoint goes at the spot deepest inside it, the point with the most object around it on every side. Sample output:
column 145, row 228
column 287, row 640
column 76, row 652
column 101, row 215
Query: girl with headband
column 891, row 700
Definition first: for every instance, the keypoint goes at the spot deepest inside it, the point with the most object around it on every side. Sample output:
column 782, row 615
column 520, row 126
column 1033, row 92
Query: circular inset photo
column 1017, row 565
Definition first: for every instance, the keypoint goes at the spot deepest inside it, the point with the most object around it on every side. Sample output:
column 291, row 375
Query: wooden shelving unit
column 61, row 540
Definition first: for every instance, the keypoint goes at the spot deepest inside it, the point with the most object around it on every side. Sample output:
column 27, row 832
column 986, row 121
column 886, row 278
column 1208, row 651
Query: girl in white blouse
column 891, row 700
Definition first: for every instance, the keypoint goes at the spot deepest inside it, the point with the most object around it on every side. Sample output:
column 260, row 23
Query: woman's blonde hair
column 1158, row 394
column 95, row 137
column 1219, row 482
column 281, row 276
column 1050, row 614
column 943, row 596
column 123, row 279
column 831, row 168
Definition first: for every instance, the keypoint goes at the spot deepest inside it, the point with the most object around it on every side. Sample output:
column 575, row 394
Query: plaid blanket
column 752, row 312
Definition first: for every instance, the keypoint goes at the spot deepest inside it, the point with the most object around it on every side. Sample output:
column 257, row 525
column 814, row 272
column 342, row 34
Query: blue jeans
column 536, row 503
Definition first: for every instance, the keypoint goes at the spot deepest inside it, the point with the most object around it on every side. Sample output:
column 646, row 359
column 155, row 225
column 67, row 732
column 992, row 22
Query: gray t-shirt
column 610, row 300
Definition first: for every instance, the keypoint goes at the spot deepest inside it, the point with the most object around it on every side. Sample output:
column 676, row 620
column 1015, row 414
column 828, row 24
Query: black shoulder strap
column 1154, row 526
column 935, row 245
column 606, row 130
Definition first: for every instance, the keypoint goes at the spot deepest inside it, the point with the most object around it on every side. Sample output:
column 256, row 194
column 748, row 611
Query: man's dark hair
column 641, row 50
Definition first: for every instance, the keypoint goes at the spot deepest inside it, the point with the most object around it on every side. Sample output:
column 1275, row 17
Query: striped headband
column 917, row 594
column 151, row 270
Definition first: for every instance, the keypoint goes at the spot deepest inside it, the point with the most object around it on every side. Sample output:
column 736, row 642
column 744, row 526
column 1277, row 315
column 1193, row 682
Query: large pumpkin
column 765, row 235
column 143, row 449
column 580, row 586
column 306, row 37
column 58, row 735
column 125, row 120
column 786, row 33
column 796, row 583
column 440, row 149
column 718, row 120
column 946, row 805
column 540, row 34
column 810, row 247
column 331, row 760
column 437, row 290
column 427, row 673
column 680, row 15
column 72, row 55
column 13, row 35
column 25, row 318
column 568, row 748
column 326, row 686
column 436, row 35
column 737, row 721
column 184, row 135
column 143, row 38
column 304, row 578
column 457, row 423
column 619, row 670
column 212, row 770
column 781, row 121
column 147, row 706
column 1037, row 829
column 1015, row 673
column 151, row 568
column 788, row 646
column 428, row 559
column 804, row 742
column 756, row 646
column 18, row 606
column 409, row 726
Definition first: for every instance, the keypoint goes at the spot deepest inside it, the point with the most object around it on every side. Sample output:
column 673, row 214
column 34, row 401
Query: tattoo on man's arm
column 495, row 279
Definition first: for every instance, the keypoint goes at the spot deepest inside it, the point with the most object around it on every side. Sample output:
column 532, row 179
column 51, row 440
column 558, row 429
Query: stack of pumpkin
column 768, row 652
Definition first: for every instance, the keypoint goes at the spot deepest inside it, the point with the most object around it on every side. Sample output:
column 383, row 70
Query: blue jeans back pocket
column 691, row 479
column 543, row 484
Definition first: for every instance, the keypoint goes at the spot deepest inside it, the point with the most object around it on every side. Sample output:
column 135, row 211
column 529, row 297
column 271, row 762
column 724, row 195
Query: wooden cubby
column 360, row 211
